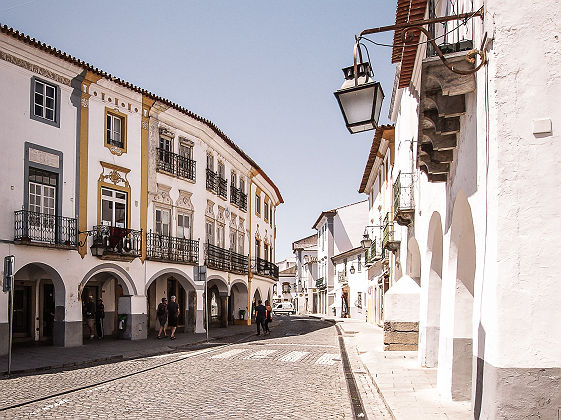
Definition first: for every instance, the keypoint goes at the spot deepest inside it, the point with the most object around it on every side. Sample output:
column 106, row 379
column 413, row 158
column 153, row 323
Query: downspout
column 249, row 272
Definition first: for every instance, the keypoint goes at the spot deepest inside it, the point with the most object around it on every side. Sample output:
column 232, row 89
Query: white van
column 284, row 308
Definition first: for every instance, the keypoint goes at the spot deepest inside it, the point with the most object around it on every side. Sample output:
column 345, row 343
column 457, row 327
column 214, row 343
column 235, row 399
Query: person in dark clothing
column 99, row 316
column 90, row 316
column 173, row 315
column 268, row 318
column 260, row 315
column 162, row 314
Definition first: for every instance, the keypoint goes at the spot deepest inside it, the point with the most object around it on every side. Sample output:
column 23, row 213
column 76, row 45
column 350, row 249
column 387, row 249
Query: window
column 186, row 151
column 257, row 248
column 242, row 185
column 286, row 287
column 115, row 130
column 240, row 244
column 233, row 241
column 42, row 200
column 162, row 222
column 257, row 204
column 210, row 162
column 220, row 236
column 271, row 215
column 113, row 208
column 266, row 211
column 265, row 252
column 359, row 300
column 165, row 151
column 210, row 232
column 45, row 102
column 221, row 170
column 234, row 179
column 184, row 226
column 359, row 263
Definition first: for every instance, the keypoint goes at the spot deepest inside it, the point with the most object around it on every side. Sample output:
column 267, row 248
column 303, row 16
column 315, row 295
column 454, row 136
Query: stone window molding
column 184, row 201
column 162, row 196
column 209, row 212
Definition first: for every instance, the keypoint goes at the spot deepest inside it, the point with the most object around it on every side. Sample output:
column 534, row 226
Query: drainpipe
column 249, row 272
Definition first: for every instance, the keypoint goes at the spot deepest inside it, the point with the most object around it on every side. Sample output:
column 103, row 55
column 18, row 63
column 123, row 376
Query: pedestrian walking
column 99, row 316
column 162, row 315
column 268, row 318
column 260, row 315
column 173, row 315
column 90, row 316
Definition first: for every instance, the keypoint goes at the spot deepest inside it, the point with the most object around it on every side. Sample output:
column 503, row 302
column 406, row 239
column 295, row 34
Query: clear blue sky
column 263, row 71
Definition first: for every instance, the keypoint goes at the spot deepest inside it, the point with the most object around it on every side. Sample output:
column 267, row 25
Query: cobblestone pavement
column 296, row 372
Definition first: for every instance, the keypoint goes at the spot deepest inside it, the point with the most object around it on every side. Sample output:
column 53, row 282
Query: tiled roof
column 67, row 57
column 372, row 155
column 407, row 11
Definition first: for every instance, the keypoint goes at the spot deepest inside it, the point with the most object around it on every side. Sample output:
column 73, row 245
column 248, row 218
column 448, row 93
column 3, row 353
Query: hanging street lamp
column 360, row 98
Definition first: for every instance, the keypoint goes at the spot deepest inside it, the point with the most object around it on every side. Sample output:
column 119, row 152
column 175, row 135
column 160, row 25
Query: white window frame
column 220, row 232
column 209, row 230
column 180, row 232
column 40, row 100
column 114, row 199
column 111, row 131
column 160, row 226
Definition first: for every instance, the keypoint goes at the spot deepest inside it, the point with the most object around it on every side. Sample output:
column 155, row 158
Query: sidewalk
column 408, row 389
column 35, row 358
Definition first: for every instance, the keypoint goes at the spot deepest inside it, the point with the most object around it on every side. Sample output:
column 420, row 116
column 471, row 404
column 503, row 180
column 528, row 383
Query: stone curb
column 110, row 359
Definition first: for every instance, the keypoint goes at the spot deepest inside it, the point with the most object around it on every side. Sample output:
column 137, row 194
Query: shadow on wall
column 480, row 367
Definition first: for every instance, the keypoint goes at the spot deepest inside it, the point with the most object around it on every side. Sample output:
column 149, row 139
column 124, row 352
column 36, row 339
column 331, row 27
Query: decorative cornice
column 34, row 68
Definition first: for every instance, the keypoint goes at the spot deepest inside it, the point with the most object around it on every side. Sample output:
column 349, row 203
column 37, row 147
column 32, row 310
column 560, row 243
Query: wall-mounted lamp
column 352, row 269
column 366, row 242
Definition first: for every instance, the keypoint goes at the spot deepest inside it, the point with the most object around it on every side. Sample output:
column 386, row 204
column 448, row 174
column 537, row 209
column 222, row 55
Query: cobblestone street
column 296, row 372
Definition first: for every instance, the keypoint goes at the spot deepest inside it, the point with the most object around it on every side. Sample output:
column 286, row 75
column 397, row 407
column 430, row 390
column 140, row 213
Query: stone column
column 135, row 309
column 199, row 316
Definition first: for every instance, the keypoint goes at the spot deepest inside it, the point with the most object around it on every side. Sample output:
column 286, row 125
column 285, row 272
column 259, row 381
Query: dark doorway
column 22, row 311
column 48, row 310
column 176, row 289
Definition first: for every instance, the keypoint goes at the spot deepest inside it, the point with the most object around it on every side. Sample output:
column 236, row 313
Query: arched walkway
column 413, row 268
column 460, row 276
column 166, row 283
column 39, row 302
column 238, row 302
column 217, row 301
column 433, row 291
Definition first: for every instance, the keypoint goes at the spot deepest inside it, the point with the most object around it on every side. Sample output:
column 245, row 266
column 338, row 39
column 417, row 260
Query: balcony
column 375, row 253
column 222, row 188
column 234, row 195
column 175, row 164
column 442, row 99
column 168, row 248
column 212, row 181
column 320, row 284
column 225, row 260
column 115, row 243
column 242, row 201
column 32, row 228
column 403, row 199
column 390, row 241
column 265, row 268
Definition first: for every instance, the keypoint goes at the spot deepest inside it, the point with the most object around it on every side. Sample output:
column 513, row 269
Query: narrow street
column 296, row 372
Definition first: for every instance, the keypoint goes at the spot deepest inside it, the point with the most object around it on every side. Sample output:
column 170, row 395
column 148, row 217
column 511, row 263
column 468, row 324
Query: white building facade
column 305, row 253
column 113, row 192
column 351, row 284
column 474, row 161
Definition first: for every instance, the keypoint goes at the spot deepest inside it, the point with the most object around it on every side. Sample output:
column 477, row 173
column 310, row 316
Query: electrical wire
column 464, row 23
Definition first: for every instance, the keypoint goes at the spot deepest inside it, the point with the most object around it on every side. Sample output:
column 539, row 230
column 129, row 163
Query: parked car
column 284, row 308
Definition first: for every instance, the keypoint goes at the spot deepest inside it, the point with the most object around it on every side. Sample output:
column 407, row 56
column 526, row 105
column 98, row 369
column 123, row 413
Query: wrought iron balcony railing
column 111, row 241
column 169, row 248
column 225, row 260
column 242, row 201
column 175, row 164
column 212, row 181
column 375, row 252
column 222, row 187
column 390, row 241
column 265, row 268
column 451, row 36
column 403, row 198
column 47, row 229
column 320, row 283
column 234, row 195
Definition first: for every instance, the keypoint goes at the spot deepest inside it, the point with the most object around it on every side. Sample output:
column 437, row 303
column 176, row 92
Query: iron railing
column 176, row 164
column 451, row 36
column 225, row 260
column 222, row 187
column 117, row 241
column 265, row 268
column 375, row 252
column 169, row 248
column 390, row 241
column 48, row 229
column 403, row 194
column 242, row 201
column 320, row 283
column 212, row 181
column 234, row 195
